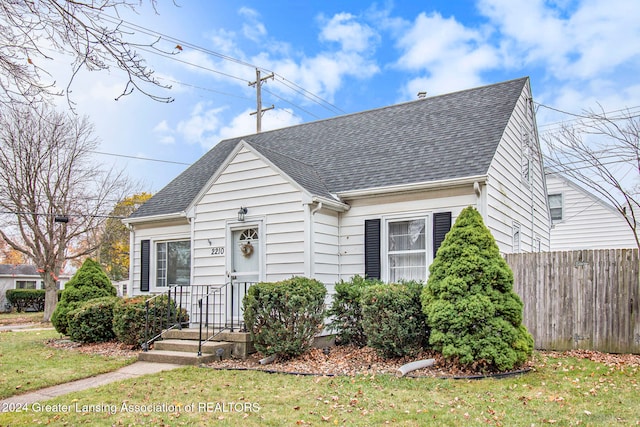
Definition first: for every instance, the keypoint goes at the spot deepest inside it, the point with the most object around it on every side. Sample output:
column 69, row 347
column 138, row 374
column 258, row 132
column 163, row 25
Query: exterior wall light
column 241, row 213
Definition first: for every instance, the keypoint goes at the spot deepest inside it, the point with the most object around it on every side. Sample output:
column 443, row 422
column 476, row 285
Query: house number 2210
column 218, row 250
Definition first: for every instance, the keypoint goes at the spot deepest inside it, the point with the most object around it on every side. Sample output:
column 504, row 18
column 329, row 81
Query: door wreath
column 246, row 249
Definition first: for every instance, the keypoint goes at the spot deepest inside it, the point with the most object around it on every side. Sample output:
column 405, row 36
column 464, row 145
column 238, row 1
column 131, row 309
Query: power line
column 141, row 158
column 182, row 43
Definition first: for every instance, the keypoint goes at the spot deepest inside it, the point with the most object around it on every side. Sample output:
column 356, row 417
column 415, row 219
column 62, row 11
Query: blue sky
column 332, row 58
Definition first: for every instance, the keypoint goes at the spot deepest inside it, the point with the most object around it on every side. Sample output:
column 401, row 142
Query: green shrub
column 392, row 318
column 26, row 299
column 92, row 320
column 346, row 311
column 283, row 317
column 474, row 315
column 89, row 282
column 129, row 315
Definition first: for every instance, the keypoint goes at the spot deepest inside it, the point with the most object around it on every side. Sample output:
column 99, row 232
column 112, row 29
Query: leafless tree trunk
column 51, row 193
column 602, row 153
column 31, row 30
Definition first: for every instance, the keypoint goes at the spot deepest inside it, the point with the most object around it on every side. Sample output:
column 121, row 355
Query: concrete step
column 176, row 357
column 194, row 334
column 190, row 346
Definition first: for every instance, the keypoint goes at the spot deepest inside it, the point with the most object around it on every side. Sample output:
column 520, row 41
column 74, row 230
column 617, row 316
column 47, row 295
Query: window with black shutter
column 145, row 252
column 441, row 226
column 372, row 248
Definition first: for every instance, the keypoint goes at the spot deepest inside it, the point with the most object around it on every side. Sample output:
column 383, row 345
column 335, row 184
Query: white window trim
column 153, row 261
column 516, row 245
column 384, row 244
column 557, row 221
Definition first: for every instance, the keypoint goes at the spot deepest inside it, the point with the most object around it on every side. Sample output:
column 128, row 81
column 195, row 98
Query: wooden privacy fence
column 586, row 299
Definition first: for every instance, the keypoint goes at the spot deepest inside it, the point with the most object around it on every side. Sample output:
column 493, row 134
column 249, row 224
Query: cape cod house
column 582, row 220
column 371, row 193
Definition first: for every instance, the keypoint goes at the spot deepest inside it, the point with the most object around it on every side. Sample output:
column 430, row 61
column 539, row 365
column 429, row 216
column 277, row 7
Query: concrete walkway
column 134, row 370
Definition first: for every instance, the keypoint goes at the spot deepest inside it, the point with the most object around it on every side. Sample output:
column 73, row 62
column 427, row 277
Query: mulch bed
column 348, row 360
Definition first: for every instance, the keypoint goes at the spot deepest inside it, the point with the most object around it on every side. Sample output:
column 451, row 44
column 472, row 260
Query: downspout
column 132, row 251
column 312, row 239
column 191, row 217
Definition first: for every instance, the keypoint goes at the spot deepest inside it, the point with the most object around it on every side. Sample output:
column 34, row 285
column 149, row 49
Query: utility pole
column 259, row 109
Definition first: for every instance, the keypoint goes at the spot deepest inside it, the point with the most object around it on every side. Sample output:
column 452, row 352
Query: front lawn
column 27, row 363
column 561, row 390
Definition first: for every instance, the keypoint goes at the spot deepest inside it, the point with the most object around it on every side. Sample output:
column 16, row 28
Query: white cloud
column 449, row 55
column 253, row 29
column 573, row 40
column 352, row 35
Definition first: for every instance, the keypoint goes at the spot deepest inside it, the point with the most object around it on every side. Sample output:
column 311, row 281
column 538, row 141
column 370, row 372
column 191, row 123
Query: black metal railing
column 224, row 304
column 164, row 312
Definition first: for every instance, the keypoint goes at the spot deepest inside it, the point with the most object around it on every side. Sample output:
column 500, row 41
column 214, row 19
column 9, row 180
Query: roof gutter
column 155, row 218
column 330, row 203
column 408, row 188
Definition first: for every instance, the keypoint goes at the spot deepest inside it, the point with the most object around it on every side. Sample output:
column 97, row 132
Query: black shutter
column 372, row 248
column 441, row 226
column 145, row 252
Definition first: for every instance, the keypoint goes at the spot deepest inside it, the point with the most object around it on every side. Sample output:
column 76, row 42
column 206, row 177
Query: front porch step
column 219, row 348
column 176, row 357
column 180, row 346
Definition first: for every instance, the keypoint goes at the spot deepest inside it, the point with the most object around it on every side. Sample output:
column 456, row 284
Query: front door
column 245, row 266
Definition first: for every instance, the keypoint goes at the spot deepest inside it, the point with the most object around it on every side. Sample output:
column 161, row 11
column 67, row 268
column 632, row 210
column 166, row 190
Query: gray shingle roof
column 18, row 270
column 443, row 137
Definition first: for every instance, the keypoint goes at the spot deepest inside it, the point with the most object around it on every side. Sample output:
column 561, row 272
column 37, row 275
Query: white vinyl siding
column 178, row 230
column 395, row 207
column 270, row 199
column 511, row 198
column 588, row 222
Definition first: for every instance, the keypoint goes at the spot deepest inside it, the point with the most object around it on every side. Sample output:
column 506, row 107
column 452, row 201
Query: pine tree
column 474, row 315
column 89, row 282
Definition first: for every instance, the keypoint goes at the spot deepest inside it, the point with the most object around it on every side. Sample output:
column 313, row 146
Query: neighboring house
column 21, row 276
column 582, row 220
column 370, row 193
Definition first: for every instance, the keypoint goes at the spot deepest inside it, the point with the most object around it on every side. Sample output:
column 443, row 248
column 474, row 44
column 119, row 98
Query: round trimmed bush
column 92, row 320
column 89, row 282
column 283, row 317
column 392, row 318
column 129, row 316
column 474, row 315
column 346, row 311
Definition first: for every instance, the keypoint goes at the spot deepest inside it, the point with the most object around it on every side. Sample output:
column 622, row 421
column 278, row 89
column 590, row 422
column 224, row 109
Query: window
column 555, row 207
column 407, row 250
column 526, row 154
column 173, row 263
column 26, row 284
column 515, row 229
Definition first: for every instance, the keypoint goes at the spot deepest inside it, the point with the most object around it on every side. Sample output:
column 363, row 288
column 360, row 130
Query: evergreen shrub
column 129, row 316
column 89, row 282
column 392, row 318
column 92, row 320
column 474, row 315
column 346, row 311
column 283, row 317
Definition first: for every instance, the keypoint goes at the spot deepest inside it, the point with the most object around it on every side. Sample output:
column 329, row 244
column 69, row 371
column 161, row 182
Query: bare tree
column 602, row 152
column 51, row 193
column 84, row 30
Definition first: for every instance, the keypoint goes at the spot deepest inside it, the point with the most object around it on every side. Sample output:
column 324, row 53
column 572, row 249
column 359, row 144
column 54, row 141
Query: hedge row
column 27, row 299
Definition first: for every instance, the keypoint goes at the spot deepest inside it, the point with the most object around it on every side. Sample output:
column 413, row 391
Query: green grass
column 15, row 318
column 27, row 364
column 563, row 391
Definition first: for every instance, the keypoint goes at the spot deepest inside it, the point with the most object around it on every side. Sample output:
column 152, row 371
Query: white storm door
column 245, row 267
